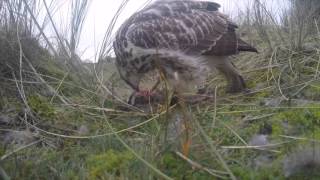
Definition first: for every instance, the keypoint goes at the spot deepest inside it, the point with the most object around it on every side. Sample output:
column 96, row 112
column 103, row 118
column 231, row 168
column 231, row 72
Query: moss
column 169, row 161
column 71, row 116
column 277, row 129
column 28, row 168
column 250, row 130
column 42, row 107
column 219, row 132
column 224, row 136
column 72, row 175
column 66, row 164
column 264, row 173
column 316, row 87
column 310, row 174
column 312, row 91
column 304, row 119
column 262, row 94
column 176, row 168
column 297, row 121
column 259, row 77
column 109, row 162
column 24, row 168
column 228, row 124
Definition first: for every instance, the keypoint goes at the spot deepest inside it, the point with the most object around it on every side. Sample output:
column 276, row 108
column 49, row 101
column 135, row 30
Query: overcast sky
column 102, row 11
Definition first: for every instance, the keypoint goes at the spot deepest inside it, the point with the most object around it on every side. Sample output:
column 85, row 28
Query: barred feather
column 187, row 29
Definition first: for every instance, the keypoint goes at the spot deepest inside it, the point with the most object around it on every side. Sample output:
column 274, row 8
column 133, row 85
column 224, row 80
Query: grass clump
column 42, row 107
column 264, row 173
column 297, row 121
column 108, row 163
column 176, row 168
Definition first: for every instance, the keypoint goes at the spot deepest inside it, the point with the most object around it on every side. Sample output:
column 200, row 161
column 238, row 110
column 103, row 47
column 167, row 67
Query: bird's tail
column 243, row 46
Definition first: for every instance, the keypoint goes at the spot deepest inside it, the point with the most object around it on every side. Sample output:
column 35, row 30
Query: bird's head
column 132, row 77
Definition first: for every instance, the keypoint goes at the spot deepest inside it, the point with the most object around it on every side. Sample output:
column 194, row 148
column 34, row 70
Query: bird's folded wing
column 194, row 28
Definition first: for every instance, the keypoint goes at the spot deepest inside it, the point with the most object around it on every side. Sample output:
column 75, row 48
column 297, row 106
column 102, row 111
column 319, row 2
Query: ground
column 259, row 135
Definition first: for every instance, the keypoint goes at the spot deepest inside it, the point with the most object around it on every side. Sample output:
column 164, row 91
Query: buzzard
column 182, row 39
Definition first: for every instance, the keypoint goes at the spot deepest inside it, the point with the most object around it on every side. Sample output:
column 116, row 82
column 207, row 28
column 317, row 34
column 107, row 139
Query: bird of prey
column 183, row 39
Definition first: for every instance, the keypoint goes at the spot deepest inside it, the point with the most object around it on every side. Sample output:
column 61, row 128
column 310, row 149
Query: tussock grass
column 73, row 112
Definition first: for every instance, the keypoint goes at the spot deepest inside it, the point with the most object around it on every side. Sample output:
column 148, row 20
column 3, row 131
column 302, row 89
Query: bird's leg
column 235, row 80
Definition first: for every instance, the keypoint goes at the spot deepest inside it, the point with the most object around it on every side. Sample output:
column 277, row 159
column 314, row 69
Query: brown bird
column 184, row 40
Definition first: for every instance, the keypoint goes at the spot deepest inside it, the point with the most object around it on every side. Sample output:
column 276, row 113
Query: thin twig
column 215, row 108
column 100, row 135
column 299, row 138
column 215, row 151
column 19, row 149
column 39, row 27
column 194, row 164
column 152, row 167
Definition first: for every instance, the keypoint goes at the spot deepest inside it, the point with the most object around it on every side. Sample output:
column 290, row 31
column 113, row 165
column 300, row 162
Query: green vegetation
column 110, row 162
column 42, row 107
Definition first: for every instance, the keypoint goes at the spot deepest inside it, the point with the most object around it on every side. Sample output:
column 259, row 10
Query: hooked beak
column 131, row 79
column 133, row 82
